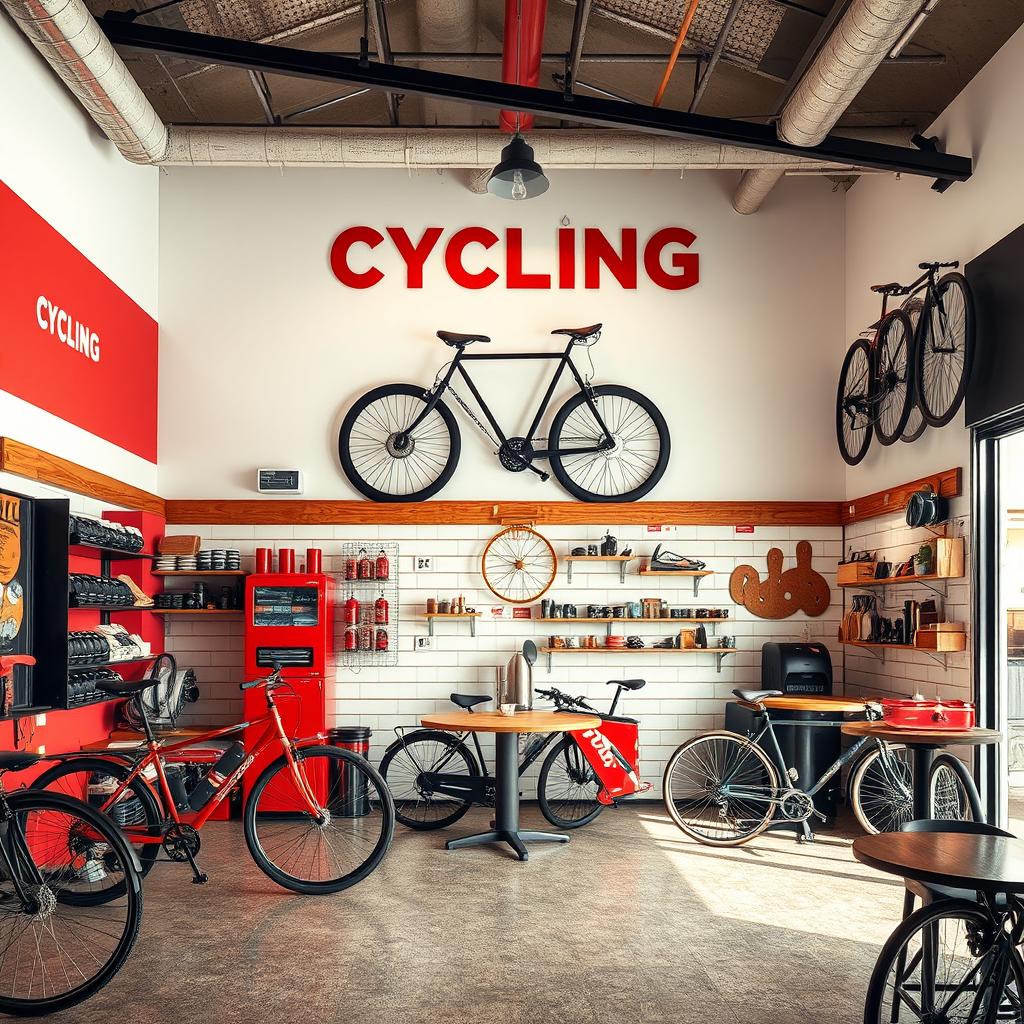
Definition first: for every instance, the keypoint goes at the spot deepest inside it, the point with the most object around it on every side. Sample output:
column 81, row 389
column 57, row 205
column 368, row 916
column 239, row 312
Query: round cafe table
column 506, row 729
column 923, row 743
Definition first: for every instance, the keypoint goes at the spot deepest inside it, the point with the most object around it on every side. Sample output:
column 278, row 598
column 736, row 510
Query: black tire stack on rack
column 86, row 591
column 103, row 534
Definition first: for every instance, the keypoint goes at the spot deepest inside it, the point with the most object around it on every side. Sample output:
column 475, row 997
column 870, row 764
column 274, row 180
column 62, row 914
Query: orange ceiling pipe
column 680, row 39
column 521, row 53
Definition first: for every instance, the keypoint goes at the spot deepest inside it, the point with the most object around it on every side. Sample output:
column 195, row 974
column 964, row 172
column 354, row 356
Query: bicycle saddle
column 628, row 684
column 15, row 760
column 892, row 288
column 461, row 340
column 468, row 700
column 579, row 333
column 756, row 696
column 125, row 687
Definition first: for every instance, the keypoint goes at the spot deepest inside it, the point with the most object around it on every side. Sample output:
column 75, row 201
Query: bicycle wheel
column 567, row 787
column 916, row 424
column 385, row 464
column 94, row 780
column 894, row 371
column 416, row 805
column 953, row 794
column 882, row 788
column 519, row 565
column 945, row 349
column 853, row 403
column 939, row 966
column 719, row 788
column 354, row 831
column 65, row 945
column 624, row 472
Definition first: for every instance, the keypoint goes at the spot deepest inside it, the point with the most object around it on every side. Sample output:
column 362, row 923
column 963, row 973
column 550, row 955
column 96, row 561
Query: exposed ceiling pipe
column 71, row 41
column 450, row 26
column 684, row 28
column 861, row 40
column 470, row 148
column 522, row 48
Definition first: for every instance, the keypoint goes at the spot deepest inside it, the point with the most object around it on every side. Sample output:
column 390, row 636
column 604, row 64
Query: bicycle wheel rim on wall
column 519, row 565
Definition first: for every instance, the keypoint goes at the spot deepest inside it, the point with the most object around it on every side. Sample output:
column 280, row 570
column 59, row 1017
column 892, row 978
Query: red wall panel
column 71, row 342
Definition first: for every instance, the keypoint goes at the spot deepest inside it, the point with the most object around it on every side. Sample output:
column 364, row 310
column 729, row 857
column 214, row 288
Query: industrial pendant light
column 517, row 175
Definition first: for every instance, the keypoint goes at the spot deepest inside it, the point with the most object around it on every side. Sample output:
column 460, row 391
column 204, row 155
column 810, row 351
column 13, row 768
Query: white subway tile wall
column 684, row 694
column 904, row 673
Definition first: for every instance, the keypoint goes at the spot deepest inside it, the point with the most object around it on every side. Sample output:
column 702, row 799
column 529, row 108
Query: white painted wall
column 892, row 224
column 57, row 161
column 263, row 350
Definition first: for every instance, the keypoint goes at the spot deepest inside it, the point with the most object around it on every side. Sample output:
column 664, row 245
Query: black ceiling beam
column 280, row 60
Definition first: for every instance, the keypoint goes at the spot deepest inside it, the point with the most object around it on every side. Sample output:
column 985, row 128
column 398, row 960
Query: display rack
column 366, row 591
column 956, row 644
column 433, row 617
column 621, row 560
column 697, row 575
column 712, row 622
column 720, row 653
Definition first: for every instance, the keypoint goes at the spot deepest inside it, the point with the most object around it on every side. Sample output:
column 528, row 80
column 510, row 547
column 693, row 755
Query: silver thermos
column 515, row 681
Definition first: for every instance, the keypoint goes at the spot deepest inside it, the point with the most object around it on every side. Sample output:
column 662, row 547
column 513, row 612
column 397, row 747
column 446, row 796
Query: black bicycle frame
column 564, row 360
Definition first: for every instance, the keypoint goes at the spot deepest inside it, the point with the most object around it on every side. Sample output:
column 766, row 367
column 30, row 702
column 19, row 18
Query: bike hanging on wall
column 912, row 368
column 401, row 442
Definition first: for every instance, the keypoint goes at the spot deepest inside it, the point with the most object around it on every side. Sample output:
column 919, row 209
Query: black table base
column 505, row 827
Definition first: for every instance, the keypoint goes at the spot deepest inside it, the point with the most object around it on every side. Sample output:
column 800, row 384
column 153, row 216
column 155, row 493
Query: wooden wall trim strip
column 948, row 483
column 275, row 512
column 34, row 464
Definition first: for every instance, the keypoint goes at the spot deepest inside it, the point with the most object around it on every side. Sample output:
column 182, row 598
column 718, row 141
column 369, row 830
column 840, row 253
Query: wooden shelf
column 620, row 560
column 196, row 611
column 955, row 643
column 890, row 581
column 199, row 572
column 612, row 619
column 718, row 652
column 694, row 574
column 432, row 616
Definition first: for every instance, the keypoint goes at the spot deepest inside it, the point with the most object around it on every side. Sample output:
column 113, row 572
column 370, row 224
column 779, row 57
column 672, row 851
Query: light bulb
column 518, row 185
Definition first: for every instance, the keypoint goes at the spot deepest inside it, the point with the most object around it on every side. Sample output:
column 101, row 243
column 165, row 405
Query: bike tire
column 916, row 423
column 939, row 409
column 670, row 790
column 405, row 396
column 551, row 806
column 854, row 443
column 58, row 780
column 894, row 374
column 878, row 1008
column 26, row 801
column 256, row 834
column 388, row 763
column 658, row 427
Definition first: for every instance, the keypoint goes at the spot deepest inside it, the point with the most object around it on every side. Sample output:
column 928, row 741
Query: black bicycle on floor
column 435, row 777
column 400, row 442
column 723, row 789
column 911, row 369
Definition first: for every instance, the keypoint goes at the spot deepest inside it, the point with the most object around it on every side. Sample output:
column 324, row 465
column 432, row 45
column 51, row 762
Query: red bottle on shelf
column 351, row 611
column 380, row 611
column 383, row 567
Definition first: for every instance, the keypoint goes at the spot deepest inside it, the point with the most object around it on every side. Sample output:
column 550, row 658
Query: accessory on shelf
column 82, row 685
column 85, row 591
column 926, row 508
column 610, row 545
column 883, row 570
column 578, row 552
column 634, row 643
column 142, row 599
column 180, row 544
column 668, row 561
column 104, row 533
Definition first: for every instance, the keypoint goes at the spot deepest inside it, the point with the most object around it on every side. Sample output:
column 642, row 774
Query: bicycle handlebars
column 269, row 681
column 563, row 699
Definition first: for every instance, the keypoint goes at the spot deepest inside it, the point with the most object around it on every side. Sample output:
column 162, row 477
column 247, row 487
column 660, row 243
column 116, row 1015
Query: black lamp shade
column 517, row 175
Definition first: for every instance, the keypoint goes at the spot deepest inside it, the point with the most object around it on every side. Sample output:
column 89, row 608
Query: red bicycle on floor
column 319, row 818
column 435, row 777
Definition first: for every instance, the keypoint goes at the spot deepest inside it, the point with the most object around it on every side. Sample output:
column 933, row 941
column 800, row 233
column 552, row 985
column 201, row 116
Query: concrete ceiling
column 763, row 52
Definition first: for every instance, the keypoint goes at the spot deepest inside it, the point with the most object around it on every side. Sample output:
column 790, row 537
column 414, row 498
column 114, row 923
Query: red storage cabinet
column 289, row 619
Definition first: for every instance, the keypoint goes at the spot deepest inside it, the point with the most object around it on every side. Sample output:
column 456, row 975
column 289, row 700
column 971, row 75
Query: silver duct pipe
column 850, row 56
column 70, row 40
column 472, row 148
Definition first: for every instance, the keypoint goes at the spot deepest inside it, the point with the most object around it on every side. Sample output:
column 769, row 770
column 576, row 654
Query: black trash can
column 348, row 787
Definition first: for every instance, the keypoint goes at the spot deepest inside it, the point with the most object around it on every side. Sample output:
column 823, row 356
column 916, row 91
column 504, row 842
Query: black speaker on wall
column 996, row 278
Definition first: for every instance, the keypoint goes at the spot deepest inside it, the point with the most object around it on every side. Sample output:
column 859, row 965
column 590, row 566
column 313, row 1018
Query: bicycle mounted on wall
column 607, row 442
column 910, row 369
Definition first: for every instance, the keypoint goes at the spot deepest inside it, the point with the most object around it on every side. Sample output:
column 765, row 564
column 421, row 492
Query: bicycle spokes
column 946, row 346
column 853, row 403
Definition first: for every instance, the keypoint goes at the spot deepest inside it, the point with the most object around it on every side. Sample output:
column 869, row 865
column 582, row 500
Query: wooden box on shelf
column 855, row 572
column 940, row 640
column 949, row 556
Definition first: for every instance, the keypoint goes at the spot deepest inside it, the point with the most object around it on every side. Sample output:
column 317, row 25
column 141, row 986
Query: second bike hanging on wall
column 401, row 442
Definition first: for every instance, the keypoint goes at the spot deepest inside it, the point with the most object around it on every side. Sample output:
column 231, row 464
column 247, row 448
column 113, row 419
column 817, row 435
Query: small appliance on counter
column 515, row 681
column 919, row 713
column 796, row 669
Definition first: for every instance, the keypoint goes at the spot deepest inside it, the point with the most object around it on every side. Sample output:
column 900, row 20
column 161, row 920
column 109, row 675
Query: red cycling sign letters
column 477, row 257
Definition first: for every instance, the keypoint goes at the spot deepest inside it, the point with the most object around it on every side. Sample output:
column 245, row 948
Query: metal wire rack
column 368, row 591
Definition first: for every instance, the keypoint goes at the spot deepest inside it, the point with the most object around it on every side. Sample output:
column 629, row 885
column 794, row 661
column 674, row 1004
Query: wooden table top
column 522, row 721
column 963, row 860
column 839, row 705
column 923, row 737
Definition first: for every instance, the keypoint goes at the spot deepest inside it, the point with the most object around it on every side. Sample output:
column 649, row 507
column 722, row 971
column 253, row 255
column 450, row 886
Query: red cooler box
column 289, row 620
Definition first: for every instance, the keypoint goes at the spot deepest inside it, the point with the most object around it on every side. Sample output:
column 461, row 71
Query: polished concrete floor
column 630, row 922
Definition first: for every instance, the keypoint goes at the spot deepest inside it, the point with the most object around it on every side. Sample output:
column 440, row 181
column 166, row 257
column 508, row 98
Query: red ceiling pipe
column 521, row 53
